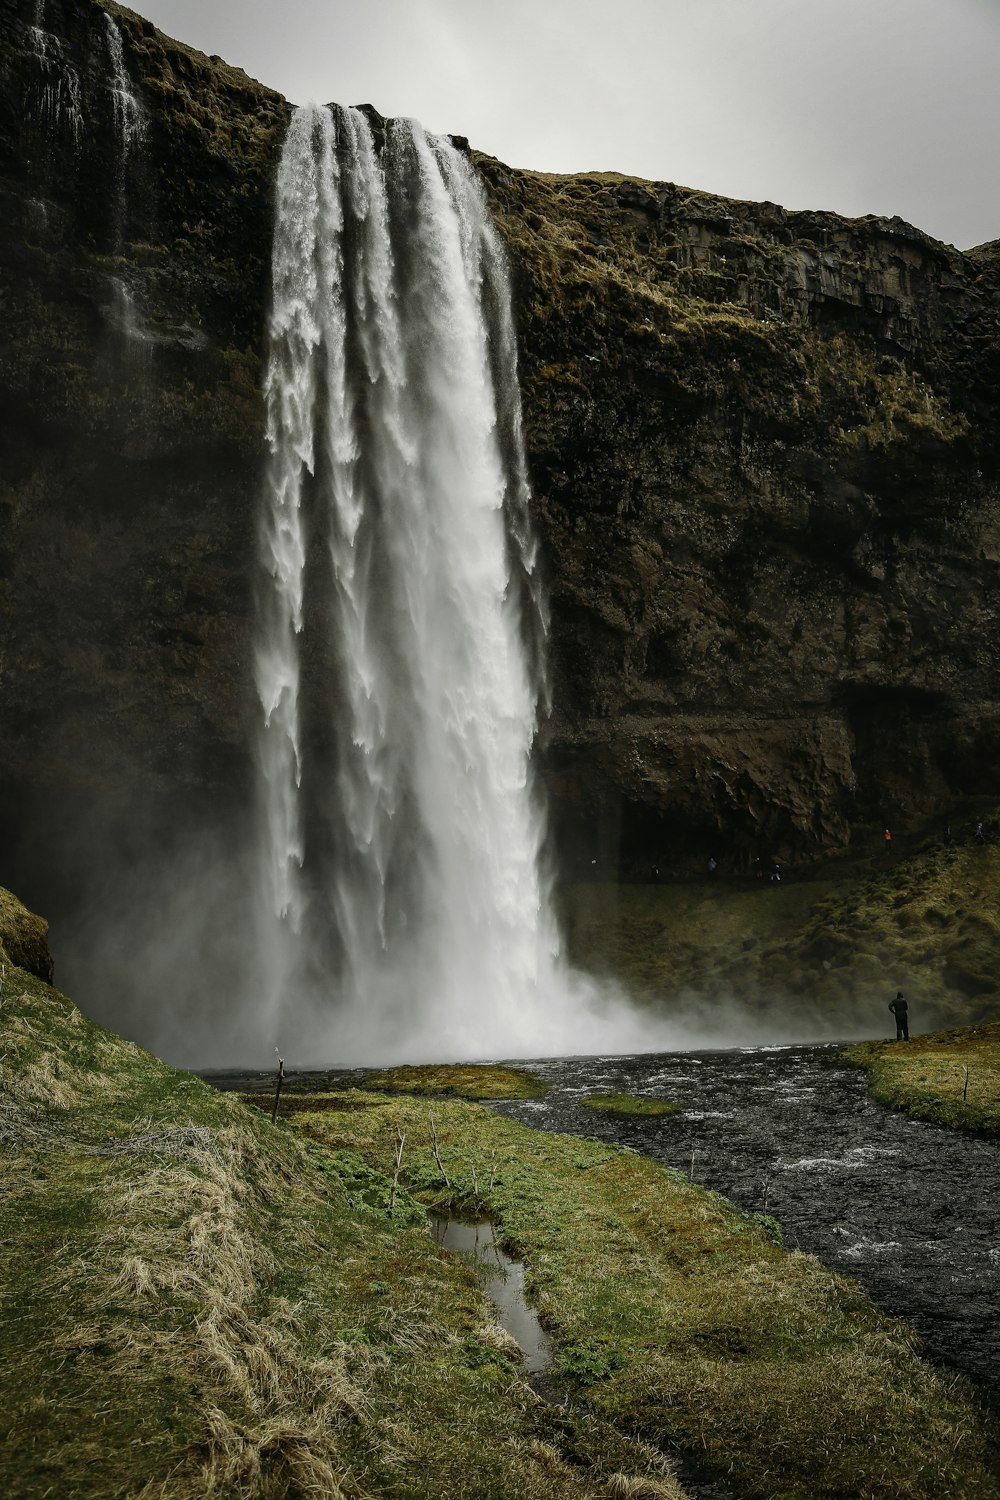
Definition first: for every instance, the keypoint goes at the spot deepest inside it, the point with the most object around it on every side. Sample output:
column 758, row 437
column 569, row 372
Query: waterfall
column 129, row 123
column 58, row 105
column 398, row 657
column 135, row 346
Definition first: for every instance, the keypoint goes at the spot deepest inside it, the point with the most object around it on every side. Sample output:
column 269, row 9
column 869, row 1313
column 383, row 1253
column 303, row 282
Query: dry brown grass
column 198, row 1304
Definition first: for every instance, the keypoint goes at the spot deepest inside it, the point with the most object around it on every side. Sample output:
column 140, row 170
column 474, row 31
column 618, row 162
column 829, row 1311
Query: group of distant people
column 774, row 868
column 771, row 869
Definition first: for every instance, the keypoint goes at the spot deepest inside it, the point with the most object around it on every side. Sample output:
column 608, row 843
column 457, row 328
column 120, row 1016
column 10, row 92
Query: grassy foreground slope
column 951, row 1077
column 196, row 1303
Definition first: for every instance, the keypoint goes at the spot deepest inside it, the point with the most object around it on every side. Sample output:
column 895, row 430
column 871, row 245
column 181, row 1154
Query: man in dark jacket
column 898, row 1008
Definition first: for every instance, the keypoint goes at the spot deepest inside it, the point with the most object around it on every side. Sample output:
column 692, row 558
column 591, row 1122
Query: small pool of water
column 503, row 1282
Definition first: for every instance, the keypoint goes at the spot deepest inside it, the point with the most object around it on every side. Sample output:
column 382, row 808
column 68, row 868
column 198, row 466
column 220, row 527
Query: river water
column 909, row 1210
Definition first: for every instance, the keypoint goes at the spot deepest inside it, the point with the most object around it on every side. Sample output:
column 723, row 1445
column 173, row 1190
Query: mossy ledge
column 949, row 1077
column 202, row 1303
column 840, row 941
column 631, row 1104
column 461, row 1080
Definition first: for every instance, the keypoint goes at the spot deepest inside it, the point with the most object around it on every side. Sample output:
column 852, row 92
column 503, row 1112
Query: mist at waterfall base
column 153, row 935
column 391, row 899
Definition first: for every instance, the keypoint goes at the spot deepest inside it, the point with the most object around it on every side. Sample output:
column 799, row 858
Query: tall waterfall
column 397, row 658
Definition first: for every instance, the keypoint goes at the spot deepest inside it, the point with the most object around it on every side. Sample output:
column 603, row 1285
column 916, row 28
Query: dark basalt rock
column 765, row 455
column 763, row 444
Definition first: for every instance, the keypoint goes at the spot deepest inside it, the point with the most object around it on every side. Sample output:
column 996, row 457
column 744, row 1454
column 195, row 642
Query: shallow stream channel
column 909, row 1210
column 503, row 1282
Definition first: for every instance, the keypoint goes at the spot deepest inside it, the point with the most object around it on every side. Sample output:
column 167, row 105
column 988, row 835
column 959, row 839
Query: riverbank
column 679, row 1318
column 200, row 1302
column 951, row 1077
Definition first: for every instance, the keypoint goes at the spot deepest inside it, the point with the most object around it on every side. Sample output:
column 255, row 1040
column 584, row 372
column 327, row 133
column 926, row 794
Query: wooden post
column 400, row 1139
column 437, row 1154
column 277, row 1089
column 965, row 1091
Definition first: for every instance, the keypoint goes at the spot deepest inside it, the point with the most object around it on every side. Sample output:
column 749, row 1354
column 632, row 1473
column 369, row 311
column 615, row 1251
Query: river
column 909, row 1210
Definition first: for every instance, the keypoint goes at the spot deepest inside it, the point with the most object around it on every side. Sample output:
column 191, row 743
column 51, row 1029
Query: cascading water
column 135, row 345
column 58, row 105
column 399, row 621
column 129, row 121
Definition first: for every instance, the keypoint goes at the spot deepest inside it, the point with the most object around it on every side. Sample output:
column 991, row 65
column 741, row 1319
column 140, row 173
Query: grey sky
column 860, row 106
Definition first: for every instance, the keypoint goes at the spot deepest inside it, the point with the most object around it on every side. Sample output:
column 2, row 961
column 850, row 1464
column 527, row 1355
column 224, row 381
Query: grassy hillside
column 199, row 1303
column 823, row 954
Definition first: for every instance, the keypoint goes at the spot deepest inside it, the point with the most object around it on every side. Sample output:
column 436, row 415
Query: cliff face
column 764, row 448
column 134, row 279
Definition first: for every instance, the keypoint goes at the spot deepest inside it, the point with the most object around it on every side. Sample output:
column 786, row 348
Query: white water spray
column 136, row 345
column 404, row 897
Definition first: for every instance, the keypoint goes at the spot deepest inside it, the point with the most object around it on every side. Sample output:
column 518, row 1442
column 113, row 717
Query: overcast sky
column 860, row 106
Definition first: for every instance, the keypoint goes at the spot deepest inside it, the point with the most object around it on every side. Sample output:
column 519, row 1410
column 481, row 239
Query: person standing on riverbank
column 899, row 1010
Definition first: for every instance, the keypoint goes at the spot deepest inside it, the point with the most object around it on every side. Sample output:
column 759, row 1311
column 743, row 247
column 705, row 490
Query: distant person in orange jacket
column 898, row 1008
column 888, row 842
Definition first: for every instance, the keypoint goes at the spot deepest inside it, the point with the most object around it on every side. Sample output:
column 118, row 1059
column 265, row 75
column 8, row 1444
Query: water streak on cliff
column 398, row 666
column 127, row 110
column 58, row 106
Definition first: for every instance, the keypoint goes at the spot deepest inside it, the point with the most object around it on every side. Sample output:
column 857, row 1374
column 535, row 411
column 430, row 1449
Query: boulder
column 24, row 938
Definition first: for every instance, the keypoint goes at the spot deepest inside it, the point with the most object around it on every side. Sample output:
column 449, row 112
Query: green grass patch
column 460, row 1080
column 196, row 1302
column 630, row 1104
column 950, row 1077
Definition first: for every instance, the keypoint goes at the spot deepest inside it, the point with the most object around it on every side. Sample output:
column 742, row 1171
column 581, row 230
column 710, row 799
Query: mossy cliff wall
column 763, row 444
column 764, row 449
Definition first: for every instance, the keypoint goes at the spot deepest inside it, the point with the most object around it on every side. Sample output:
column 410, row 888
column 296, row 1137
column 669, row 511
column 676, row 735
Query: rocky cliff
column 764, row 448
